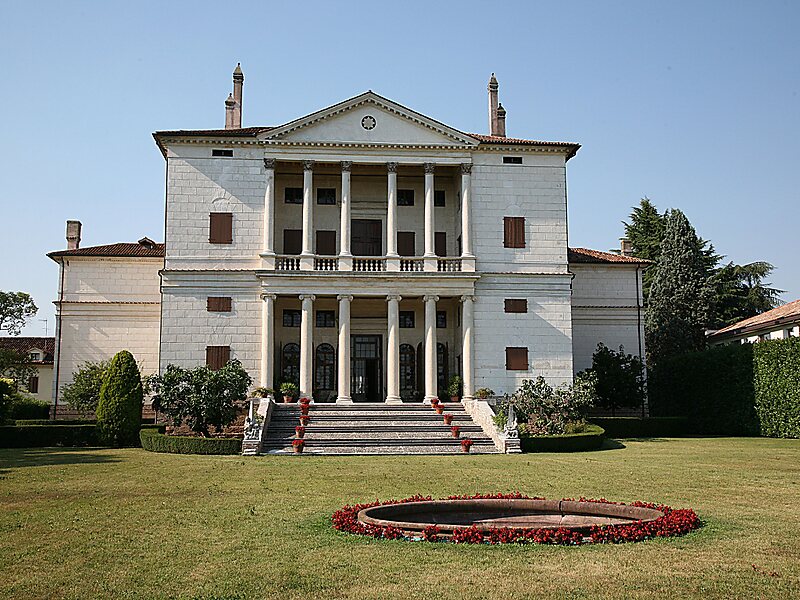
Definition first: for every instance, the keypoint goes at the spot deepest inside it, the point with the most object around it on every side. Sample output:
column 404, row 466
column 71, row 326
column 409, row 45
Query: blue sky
column 693, row 104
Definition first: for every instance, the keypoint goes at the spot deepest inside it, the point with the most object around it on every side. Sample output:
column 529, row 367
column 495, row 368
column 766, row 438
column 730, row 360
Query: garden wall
column 740, row 389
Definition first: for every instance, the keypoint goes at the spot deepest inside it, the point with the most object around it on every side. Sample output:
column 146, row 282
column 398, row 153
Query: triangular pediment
column 369, row 119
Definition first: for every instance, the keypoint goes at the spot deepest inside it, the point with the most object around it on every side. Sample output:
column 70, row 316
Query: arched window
column 408, row 369
column 290, row 363
column 325, row 371
column 442, row 373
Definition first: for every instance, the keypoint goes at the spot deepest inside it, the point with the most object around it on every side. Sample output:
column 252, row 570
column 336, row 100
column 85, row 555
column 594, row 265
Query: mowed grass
column 84, row 523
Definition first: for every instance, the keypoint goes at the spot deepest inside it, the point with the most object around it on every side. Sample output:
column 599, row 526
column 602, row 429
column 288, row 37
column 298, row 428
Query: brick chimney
column 501, row 121
column 230, row 112
column 625, row 247
column 493, row 104
column 73, row 235
column 238, row 84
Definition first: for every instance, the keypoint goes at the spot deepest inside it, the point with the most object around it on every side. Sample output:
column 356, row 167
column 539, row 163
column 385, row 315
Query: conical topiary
column 119, row 411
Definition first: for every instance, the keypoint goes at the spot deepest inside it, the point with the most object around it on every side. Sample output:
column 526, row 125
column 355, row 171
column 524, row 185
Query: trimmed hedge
column 24, row 422
column 739, row 389
column 154, row 441
column 40, row 436
column 28, row 408
column 591, row 439
column 634, row 427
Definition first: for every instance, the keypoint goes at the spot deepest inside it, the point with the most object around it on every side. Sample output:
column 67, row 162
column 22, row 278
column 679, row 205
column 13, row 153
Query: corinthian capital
column 466, row 168
column 269, row 163
column 429, row 167
column 391, row 167
column 308, row 165
column 346, row 166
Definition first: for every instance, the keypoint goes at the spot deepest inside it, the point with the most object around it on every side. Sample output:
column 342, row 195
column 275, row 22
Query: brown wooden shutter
column 516, row 306
column 220, row 228
column 514, row 232
column 516, row 359
column 219, row 304
column 440, row 243
column 217, row 356
column 292, row 241
column 406, row 243
column 33, row 385
column 326, row 243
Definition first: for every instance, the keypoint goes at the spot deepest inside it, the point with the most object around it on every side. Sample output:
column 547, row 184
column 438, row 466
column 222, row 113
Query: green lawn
column 80, row 523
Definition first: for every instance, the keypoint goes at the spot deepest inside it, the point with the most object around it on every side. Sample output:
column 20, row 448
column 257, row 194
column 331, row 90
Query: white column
column 467, row 345
column 466, row 193
column 306, row 346
column 391, row 214
column 307, row 254
column 393, row 350
column 430, row 347
column 429, row 221
column 269, row 208
column 343, row 395
column 344, row 220
column 267, row 339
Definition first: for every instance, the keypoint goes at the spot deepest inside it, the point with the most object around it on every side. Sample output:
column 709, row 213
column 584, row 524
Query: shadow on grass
column 17, row 458
column 611, row 444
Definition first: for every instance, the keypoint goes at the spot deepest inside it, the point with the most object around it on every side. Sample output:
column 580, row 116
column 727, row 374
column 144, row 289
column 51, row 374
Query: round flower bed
column 673, row 522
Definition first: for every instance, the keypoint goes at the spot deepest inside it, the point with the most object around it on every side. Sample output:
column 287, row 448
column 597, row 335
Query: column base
column 344, row 400
column 393, row 263
column 394, row 400
column 345, row 262
column 428, row 399
column 268, row 261
column 306, row 262
column 431, row 264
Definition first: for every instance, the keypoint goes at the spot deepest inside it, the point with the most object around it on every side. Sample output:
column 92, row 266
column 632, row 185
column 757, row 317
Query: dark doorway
column 367, row 237
column 366, row 369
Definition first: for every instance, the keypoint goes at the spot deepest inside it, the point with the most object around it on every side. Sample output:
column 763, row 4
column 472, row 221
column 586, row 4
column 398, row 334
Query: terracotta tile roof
column 241, row 132
column 507, row 141
column 24, row 345
column 588, row 256
column 787, row 313
column 121, row 249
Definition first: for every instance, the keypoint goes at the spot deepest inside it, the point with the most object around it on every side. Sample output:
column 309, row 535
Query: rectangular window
column 406, row 245
column 514, row 232
column 292, row 241
column 220, row 228
column 440, row 243
column 35, row 356
column 407, row 319
column 293, row 195
column 326, row 318
column 222, row 153
column 516, row 359
column 326, row 196
column 217, row 357
column 291, row 317
column 405, row 197
column 516, row 306
column 438, row 198
column 512, row 160
column 441, row 319
column 326, row 243
column 33, row 385
column 218, row 304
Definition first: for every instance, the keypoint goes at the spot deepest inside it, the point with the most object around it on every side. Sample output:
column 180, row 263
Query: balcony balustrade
column 371, row 264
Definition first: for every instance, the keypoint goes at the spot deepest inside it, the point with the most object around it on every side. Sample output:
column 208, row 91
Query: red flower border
column 675, row 522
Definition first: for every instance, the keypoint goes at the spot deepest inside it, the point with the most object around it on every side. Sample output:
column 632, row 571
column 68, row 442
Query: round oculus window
column 368, row 122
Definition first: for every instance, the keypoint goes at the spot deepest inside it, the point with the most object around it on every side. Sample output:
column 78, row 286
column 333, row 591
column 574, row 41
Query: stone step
column 380, row 435
column 382, row 450
column 358, row 442
column 387, row 427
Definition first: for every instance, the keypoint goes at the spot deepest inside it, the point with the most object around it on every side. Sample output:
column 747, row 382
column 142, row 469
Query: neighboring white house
column 39, row 352
column 776, row 324
column 366, row 252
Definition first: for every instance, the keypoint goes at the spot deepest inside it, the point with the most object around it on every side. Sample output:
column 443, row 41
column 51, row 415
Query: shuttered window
column 514, row 232
column 33, row 385
column 292, row 241
column 406, row 243
column 220, row 228
column 217, row 356
column 516, row 306
column 516, row 359
column 326, row 243
column 218, row 304
column 440, row 243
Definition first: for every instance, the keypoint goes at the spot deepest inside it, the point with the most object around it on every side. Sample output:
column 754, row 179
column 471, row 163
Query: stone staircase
column 375, row 428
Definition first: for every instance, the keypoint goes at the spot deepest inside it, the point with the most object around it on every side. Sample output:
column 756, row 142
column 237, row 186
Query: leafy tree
column 119, row 409
column 620, row 378
column 678, row 306
column 84, row 391
column 16, row 367
column 6, row 396
column 200, row 397
column 741, row 292
column 15, row 309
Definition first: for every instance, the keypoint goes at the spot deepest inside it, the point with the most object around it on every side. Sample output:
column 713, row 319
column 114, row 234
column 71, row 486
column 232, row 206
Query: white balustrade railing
column 287, row 263
column 326, row 263
column 449, row 265
column 369, row 265
column 412, row 264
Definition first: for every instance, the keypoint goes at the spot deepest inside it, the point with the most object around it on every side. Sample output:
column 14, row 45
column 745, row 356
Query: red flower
column 299, row 431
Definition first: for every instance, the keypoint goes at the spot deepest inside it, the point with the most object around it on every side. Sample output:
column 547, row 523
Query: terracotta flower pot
column 455, row 431
column 466, row 445
column 304, row 409
column 439, row 410
column 287, row 399
column 304, row 419
column 454, row 398
column 297, row 448
column 447, row 419
column 299, row 432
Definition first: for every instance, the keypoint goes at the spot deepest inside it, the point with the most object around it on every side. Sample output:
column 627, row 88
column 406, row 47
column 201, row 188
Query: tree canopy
column 15, row 309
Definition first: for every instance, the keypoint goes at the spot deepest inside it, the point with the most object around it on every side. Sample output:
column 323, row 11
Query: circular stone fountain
column 493, row 513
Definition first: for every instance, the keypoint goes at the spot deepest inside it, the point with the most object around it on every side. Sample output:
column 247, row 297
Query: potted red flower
column 299, row 432
column 455, row 430
column 434, row 402
column 447, row 418
column 297, row 446
column 439, row 409
column 304, row 419
column 466, row 445
column 304, row 409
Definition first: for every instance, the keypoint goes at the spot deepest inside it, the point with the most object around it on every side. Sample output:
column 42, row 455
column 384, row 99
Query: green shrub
column 119, row 411
column 22, row 422
column 589, row 439
column 620, row 378
column 154, row 441
column 84, row 391
column 634, row 427
column 24, row 407
column 777, row 387
column 6, row 389
column 39, row 436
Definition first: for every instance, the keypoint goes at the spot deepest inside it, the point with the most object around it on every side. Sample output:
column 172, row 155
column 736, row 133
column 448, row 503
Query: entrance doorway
column 367, row 237
column 366, row 368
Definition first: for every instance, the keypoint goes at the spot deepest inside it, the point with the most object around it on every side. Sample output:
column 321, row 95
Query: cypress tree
column 645, row 231
column 677, row 309
column 119, row 410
